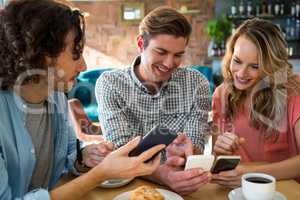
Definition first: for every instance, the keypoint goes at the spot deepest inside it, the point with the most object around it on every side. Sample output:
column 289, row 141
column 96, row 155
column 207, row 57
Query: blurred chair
column 84, row 90
column 85, row 130
column 208, row 147
column 207, row 72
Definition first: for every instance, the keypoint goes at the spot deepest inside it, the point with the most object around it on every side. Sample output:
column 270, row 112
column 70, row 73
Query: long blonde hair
column 268, row 107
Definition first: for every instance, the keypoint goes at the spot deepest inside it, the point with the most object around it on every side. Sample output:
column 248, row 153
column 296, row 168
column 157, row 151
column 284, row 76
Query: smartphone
column 225, row 163
column 199, row 161
column 157, row 135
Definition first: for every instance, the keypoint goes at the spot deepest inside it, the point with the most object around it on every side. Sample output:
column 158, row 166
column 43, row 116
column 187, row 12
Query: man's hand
column 171, row 172
column 179, row 149
column 183, row 182
column 94, row 153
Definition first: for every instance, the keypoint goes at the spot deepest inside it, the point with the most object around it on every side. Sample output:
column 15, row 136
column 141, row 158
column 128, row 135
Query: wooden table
column 290, row 188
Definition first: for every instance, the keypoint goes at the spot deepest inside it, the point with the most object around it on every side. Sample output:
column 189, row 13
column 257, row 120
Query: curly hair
column 30, row 31
column 269, row 96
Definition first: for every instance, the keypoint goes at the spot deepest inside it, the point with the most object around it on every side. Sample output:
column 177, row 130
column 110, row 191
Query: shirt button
column 24, row 106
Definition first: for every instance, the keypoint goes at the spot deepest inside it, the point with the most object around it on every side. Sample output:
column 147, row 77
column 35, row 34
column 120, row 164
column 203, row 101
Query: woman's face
column 244, row 64
column 67, row 68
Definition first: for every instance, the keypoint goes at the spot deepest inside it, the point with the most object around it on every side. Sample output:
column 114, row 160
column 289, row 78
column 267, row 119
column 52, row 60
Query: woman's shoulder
column 294, row 86
column 220, row 91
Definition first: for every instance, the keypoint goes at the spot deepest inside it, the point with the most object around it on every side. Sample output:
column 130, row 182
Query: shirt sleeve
column 72, row 150
column 5, row 188
column 112, row 116
column 197, row 127
column 71, row 154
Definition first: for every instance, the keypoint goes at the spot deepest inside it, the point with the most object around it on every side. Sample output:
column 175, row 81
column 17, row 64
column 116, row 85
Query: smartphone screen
column 157, row 135
column 225, row 164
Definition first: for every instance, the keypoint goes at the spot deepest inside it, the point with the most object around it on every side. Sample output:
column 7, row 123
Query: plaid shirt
column 127, row 109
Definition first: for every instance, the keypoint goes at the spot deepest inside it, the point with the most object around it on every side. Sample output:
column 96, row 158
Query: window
column 132, row 12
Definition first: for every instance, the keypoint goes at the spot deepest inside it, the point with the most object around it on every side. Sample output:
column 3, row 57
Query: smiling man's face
column 161, row 57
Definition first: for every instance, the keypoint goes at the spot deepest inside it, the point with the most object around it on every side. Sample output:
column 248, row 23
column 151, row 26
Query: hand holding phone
column 199, row 161
column 157, row 135
column 222, row 163
column 225, row 163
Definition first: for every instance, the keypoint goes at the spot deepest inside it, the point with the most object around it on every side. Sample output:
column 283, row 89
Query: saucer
column 237, row 194
column 166, row 193
column 114, row 183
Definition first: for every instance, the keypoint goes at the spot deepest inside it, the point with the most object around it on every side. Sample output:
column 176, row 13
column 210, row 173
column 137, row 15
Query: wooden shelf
column 294, row 57
column 260, row 16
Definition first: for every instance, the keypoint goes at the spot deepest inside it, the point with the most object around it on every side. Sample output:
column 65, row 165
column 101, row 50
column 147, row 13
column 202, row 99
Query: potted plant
column 219, row 29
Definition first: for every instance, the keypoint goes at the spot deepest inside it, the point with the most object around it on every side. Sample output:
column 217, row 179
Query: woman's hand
column 118, row 165
column 228, row 143
column 231, row 179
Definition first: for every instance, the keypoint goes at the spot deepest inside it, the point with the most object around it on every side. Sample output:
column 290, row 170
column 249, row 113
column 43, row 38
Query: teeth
column 163, row 69
column 242, row 80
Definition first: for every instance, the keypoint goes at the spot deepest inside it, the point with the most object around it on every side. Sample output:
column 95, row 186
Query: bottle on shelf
column 277, row 8
column 249, row 8
column 288, row 29
column 242, row 8
column 269, row 7
column 264, row 10
column 223, row 49
column 282, row 7
column 290, row 50
column 233, row 9
column 293, row 8
column 214, row 50
column 293, row 28
column 298, row 29
column 257, row 7
column 297, row 14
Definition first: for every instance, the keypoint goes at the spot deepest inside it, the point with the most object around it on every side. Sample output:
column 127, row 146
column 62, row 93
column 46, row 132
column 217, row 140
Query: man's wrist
column 79, row 164
column 158, row 176
column 81, row 167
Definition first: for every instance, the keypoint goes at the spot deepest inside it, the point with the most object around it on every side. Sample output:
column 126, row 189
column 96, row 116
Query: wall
column 106, row 32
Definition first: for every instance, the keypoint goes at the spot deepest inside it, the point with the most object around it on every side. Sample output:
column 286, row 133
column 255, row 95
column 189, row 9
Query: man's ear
column 140, row 43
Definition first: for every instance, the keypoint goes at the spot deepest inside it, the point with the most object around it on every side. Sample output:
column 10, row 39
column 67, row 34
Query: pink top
column 255, row 148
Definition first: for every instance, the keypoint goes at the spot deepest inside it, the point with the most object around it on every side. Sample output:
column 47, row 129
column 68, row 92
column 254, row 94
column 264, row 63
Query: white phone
column 200, row 161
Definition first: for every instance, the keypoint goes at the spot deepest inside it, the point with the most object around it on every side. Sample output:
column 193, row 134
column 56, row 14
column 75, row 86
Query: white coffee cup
column 258, row 186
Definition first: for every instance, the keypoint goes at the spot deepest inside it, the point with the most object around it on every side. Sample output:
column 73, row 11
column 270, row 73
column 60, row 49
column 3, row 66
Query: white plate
column 166, row 193
column 114, row 183
column 237, row 194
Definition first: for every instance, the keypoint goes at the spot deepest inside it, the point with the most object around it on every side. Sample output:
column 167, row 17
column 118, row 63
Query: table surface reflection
column 290, row 188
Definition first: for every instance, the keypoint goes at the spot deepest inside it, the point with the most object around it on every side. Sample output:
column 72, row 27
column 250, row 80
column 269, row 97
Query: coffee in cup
column 258, row 186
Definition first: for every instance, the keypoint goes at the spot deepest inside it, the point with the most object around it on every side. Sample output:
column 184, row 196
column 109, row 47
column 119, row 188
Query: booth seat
column 84, row 90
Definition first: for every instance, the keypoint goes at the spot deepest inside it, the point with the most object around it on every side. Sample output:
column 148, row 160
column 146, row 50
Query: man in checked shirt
column 154, row 90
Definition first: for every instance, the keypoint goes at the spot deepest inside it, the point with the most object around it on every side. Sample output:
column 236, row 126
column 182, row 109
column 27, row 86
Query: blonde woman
column 256, row 110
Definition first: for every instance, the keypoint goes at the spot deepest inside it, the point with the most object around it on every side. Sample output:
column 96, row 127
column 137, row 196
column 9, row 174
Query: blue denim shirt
column 17, row 156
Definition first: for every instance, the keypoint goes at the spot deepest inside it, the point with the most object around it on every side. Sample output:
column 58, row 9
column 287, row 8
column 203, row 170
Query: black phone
column 225, row 163
column 157, row 135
